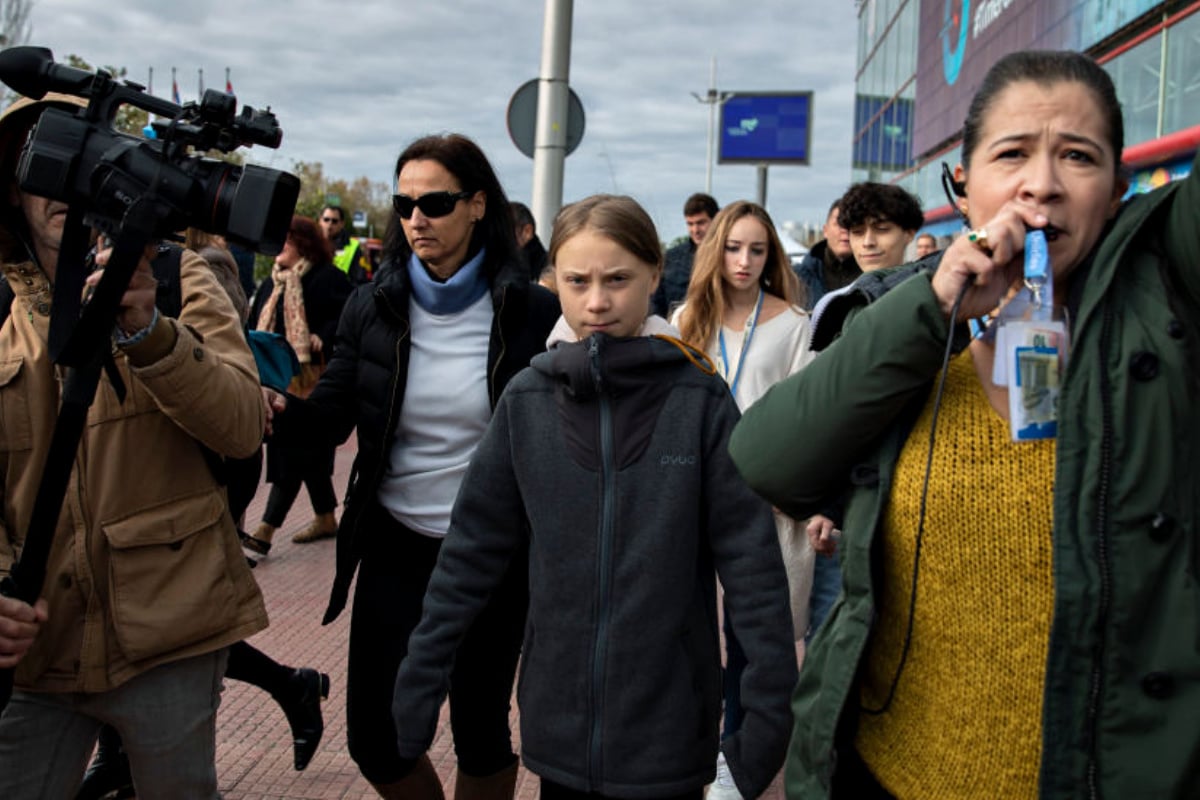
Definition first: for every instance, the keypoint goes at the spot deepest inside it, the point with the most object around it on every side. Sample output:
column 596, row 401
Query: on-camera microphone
column 31, row 71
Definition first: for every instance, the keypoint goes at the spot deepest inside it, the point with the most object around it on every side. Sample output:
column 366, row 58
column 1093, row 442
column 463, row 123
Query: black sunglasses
column 433, row 205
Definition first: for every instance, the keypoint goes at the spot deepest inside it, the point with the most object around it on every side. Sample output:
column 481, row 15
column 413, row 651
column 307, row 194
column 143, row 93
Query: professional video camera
column 77, row 158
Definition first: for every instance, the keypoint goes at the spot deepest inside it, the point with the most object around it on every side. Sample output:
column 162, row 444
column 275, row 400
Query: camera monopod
column 80, row 342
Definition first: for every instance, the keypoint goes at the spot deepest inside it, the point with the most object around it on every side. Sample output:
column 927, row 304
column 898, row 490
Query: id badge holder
column 1031, row 350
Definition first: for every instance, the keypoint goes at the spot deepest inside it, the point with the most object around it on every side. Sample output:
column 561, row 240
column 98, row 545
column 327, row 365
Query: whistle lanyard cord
column 751, row 324
column 916, row 568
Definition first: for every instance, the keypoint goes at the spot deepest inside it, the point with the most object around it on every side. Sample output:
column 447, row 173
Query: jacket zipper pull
column 594, row 356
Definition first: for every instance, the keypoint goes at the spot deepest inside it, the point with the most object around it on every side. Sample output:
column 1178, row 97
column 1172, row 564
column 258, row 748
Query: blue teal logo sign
column 954, row 47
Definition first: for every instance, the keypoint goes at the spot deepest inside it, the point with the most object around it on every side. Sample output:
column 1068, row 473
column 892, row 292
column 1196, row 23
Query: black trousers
column 314, row 469
column 241, row 482
column 250, row 665
column 392, row 578
column 556, row 791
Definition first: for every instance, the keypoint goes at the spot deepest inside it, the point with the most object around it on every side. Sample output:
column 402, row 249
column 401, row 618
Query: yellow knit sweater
column 965, row 721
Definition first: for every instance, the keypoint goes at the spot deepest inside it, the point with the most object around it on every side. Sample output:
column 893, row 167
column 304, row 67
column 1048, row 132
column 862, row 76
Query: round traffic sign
column 522, row 118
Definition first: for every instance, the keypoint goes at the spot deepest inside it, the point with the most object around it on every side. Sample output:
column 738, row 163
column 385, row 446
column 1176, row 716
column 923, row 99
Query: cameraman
column 146, row 585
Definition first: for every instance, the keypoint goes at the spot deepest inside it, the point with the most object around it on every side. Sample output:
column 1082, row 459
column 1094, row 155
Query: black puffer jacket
column 608, row 457
column 363, row 385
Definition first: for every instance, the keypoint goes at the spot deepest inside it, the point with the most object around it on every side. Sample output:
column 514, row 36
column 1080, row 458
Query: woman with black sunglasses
column 422, row 356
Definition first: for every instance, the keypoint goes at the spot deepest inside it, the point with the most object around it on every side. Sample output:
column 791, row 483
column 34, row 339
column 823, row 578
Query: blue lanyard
column 751, row 324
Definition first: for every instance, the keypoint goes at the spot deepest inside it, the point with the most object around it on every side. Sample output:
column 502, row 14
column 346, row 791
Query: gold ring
column 979, row 237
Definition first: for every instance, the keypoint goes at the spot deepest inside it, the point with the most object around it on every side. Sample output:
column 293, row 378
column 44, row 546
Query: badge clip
column 1031, row 348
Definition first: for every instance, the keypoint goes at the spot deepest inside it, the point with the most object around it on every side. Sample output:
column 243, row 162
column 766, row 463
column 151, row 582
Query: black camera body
column 76, row 157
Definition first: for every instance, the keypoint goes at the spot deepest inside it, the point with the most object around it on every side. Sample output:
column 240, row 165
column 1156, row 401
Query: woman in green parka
column 1018, row 619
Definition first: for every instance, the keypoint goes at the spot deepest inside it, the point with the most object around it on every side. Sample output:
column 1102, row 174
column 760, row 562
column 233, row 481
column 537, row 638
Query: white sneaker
column 723, row 788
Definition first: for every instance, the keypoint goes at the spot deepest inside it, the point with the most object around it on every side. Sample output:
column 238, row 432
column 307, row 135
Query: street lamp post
column 712, row 98
column 550, row 143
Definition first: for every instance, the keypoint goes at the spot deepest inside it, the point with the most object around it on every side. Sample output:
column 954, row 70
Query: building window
column 1137, row 74
column 1182, row 107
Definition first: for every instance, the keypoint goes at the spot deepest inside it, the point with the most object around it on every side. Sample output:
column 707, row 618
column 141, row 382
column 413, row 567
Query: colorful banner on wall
column 1146, row 180
column 959, row 42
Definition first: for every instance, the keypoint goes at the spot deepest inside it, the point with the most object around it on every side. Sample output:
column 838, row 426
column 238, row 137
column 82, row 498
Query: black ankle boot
column 108, row 774
column 303, row 710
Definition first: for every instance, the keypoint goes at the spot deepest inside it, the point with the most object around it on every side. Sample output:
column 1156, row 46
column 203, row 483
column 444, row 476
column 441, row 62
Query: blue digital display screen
column 766, row 128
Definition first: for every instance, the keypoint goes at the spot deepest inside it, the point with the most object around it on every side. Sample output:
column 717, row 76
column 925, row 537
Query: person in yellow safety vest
column 348, row 253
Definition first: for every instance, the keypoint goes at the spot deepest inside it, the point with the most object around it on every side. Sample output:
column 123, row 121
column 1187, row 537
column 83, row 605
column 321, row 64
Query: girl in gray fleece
column 607, row 458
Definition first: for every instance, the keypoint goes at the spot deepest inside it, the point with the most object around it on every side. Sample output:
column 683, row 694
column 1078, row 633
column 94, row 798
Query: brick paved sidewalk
column 254, row 745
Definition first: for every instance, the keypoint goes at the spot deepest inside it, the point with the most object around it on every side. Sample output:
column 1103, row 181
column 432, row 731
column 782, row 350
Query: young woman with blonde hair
column 743, row 308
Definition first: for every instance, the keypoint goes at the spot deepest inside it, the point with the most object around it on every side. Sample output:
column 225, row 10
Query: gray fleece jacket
column 608, row 456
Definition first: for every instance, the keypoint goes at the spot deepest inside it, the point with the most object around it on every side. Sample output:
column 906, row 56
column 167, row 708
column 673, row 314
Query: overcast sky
column 353, row 82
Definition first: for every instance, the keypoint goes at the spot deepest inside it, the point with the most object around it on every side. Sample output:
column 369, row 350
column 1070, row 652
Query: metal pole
column 712, row 99
column 550, row 133
column 1162, row 80
column 712, row 125
column 761, row 193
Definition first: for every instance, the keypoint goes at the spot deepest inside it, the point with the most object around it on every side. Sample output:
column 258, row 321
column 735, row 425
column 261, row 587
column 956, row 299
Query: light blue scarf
column 456, row 294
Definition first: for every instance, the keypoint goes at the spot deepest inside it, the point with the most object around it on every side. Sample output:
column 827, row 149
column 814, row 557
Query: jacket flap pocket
column 167, row 523
column 9, row 369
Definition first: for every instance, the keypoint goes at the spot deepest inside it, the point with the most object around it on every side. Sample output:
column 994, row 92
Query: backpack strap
column 6, row 300
column 166, row 267
column 169, row 299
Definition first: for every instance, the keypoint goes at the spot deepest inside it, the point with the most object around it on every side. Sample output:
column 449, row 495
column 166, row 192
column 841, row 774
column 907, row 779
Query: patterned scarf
column 287, row 284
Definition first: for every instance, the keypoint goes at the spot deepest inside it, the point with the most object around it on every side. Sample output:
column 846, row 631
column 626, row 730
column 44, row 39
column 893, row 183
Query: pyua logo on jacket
column 669, row 460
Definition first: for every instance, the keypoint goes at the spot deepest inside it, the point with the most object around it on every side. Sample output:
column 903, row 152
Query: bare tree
column 14, row 30
column 14, row 22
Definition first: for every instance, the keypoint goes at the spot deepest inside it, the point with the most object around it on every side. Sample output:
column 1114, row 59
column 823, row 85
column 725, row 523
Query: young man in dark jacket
column 829, row 264
column 698, row 213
